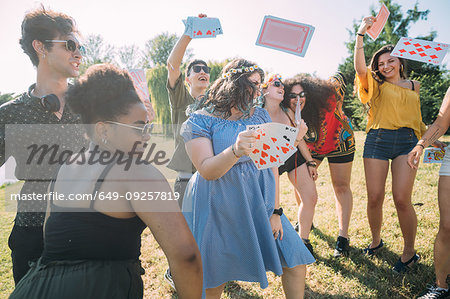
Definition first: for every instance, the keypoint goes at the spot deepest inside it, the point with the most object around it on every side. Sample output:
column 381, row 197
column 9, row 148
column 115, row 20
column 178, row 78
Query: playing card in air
column 420, row 50
column 285, row 35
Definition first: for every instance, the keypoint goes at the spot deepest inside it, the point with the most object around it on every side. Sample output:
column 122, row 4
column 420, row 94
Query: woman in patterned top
column 330, row 135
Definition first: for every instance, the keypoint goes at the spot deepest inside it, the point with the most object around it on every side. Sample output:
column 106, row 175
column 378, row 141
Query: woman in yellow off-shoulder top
column 393, row 129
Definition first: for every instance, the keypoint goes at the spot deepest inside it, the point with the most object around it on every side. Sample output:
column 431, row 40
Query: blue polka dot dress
column 229, row 217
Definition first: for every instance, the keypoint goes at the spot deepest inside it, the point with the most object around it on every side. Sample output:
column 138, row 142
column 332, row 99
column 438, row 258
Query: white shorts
column 445, row 167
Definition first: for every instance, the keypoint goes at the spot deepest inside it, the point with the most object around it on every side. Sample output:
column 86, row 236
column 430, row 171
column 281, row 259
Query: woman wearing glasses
column 231, row 206
column 329, row 135
column 300, row 171
column 98, row 208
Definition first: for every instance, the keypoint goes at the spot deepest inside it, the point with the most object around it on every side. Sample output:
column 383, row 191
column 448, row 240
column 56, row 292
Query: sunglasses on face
column 302, row 94
column 145, row 131
column 198, row 68
column 71, row 45
column 278, row 83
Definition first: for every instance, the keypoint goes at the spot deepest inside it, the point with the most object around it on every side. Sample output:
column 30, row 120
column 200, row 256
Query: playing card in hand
column 202, row 27
column 283, row 137
column 298, row 111
column 264, row 154
column 274, row 144
column 433, row 155
column 378, row 25
column 420, row 50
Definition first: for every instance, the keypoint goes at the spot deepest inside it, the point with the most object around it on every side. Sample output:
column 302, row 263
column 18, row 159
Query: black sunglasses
column 145, row 131
column 302, row 94
column 71, row 45
column 278, row 83
column 198, row 68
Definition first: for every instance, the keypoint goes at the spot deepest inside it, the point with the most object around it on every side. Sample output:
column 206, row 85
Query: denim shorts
column 384, row 144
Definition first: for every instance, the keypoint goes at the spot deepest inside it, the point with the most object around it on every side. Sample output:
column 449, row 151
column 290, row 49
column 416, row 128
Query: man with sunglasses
column 49, row 38
column 197, row 78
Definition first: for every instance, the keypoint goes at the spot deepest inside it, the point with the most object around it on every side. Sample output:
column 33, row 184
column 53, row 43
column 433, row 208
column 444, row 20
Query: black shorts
column 289, row 165
column 339, row 159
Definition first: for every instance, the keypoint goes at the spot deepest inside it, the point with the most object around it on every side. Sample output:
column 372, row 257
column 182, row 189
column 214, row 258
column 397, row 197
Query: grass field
column 354, row 277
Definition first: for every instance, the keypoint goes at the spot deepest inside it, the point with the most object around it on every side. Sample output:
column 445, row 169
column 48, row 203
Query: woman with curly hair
column 298, row 166
column 92, row 246
column 329, row 136
column 232, row 207
column 394, row 127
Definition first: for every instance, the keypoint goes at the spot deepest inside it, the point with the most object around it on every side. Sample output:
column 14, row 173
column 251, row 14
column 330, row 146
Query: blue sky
column 135, row 22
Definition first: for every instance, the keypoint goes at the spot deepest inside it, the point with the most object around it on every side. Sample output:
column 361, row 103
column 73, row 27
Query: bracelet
column 234, row 153
column 420, row 144
column 360, row 48
column 311, row 164
column 360, row 34
column 298, row 140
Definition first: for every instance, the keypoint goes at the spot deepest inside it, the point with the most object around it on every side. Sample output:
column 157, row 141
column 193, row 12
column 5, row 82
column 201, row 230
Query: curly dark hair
column 317, row 91
column 374, row 64
column 234, row 91
column 104, row 92
column 42, row 24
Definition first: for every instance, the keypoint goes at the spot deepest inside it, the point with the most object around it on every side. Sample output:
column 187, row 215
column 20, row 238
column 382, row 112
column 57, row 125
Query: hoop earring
column 401, row 69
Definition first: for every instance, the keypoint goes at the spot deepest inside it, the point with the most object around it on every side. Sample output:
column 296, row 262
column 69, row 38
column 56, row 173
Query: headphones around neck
column 49, row 102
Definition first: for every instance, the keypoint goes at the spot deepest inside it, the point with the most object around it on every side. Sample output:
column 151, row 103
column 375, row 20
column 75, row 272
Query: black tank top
column 90, row 235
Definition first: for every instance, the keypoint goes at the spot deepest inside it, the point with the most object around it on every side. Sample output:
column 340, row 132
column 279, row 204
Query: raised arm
column 436, row 130
column 359, row 58
column 176, row 56
column 175, row 59
column 212, row 167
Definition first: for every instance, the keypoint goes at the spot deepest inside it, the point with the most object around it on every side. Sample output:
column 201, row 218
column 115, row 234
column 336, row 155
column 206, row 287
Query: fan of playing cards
column 274, row 144
column 197, row 27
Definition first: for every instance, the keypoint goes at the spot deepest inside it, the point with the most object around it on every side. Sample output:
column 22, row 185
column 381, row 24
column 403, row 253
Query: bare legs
column 307, row 188
column 376, row 173
column 402, row 183
column 293, row 280
column 340, row 177
column 442, row 243
column 214, row 293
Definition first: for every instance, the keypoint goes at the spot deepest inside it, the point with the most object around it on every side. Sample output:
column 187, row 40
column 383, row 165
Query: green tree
column 157, row 78
column 157, row 49
column 129, row 56
column 97, row 51
column 397, row 26
column 6, row 97
column 216, row 68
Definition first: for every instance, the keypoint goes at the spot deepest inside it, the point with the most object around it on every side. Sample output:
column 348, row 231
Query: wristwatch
column 278, row 212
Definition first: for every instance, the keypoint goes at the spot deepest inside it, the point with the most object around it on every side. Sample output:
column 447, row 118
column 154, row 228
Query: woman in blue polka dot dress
column 230, row 205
